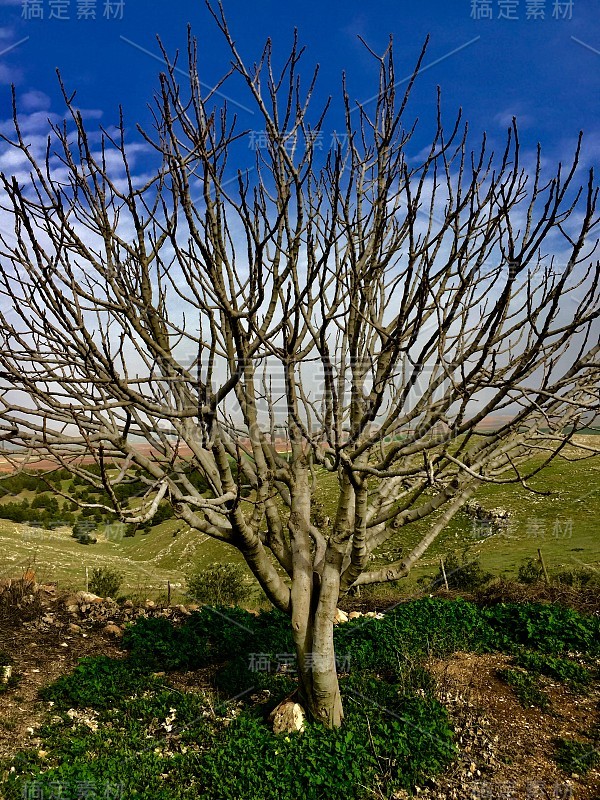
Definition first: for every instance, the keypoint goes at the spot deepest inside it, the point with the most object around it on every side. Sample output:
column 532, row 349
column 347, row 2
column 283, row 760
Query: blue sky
column 544, row 71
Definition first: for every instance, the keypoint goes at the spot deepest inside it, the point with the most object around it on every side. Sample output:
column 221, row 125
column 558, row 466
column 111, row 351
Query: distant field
column 565, row 525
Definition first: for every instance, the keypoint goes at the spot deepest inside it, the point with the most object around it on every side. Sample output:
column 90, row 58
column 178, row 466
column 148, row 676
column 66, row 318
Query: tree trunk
column 319, row 687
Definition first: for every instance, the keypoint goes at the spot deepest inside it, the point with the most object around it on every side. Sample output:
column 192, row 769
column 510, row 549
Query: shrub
column 19, row 600
column 15, row 484
column 105, row 581
column 530, row 571
column 47, row 501
column 462, row 573
column 583, row 578
column 220, row 584
column 562, row 669
column 548, row 628
column 212, row 634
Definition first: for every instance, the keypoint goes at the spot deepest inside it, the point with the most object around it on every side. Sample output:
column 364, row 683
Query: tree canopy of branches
column 348, row 311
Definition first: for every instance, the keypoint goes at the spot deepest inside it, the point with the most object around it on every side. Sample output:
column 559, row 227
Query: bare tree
column 344, row 311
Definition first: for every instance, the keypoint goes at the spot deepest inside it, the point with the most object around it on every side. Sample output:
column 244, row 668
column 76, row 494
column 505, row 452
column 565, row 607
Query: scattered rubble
column 341, row 616
column 76, row 613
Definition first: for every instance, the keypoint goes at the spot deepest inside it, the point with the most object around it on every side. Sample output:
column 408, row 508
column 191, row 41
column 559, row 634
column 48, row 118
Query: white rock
column 340, row 616
column 288, row 718
column 87, row 597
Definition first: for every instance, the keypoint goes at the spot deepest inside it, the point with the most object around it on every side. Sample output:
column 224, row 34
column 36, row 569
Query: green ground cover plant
column 115, row 722
column 576, row 756
column 526, row 687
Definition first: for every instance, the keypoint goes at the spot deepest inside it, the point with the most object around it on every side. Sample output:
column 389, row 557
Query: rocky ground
column 505, row 750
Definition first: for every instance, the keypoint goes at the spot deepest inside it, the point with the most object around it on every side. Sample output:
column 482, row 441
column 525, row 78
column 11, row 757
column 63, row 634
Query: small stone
column 64, row 644
column 150, row 604
column 112, row 630
column 87, row 597
column 74, row 628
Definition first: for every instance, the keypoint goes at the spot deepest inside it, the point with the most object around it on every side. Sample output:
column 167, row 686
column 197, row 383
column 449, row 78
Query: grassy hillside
column 147, row 561
column 565, row 524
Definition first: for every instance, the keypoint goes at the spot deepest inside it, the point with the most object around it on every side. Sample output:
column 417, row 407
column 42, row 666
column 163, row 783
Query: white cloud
column 504, row 118
column 33, row 100
column 35, row 123
column 91, row 113
column 9, row 74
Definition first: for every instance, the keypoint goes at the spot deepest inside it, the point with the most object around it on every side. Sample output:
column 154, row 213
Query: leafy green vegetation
column 526, row 686
column 220, row 583
column 121, row 722
column 462, row 572
column 98, row 682
column 572, row 755
column 105, row 582
column 561, row 669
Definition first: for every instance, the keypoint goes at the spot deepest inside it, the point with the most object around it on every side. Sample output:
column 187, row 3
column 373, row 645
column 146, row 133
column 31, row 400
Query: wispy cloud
column 9, row 75
column 34, row 100
column 504, row 118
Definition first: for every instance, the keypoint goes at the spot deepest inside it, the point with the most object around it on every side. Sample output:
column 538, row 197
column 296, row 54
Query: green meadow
column 559, row 514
